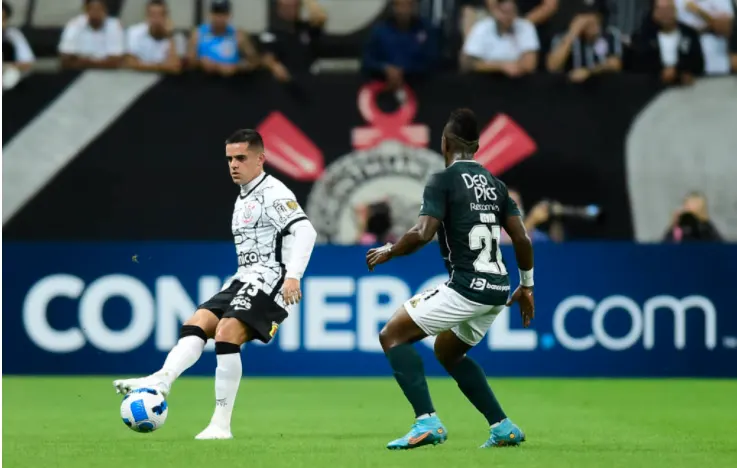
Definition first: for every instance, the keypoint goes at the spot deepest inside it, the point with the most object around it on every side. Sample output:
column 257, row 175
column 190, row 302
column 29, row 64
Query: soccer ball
column 144, row 410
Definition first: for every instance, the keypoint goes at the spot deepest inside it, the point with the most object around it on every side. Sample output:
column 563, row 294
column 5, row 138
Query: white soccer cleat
column 213, row 432
column 125, row 386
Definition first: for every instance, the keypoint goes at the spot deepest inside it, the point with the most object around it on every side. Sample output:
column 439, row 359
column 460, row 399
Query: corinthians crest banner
column 332, row 140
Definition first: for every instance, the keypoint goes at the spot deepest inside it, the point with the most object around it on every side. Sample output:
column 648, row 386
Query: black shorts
column 249, row 304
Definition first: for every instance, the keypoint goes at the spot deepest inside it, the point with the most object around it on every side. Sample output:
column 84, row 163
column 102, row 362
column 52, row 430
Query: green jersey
column 471, row 205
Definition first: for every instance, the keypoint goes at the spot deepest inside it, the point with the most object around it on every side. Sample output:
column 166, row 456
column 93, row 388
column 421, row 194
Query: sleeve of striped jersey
column 434, row 198
column 614, row 40
column 282, row 208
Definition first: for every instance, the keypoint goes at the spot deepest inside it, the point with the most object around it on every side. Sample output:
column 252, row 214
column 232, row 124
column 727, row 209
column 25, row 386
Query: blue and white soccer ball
column 144, row 410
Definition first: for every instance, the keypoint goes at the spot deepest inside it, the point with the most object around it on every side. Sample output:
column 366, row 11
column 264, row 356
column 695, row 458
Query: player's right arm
column 515, row 227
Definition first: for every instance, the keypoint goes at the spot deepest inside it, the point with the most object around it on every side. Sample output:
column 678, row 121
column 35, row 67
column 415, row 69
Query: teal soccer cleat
column 505, row 434
column 428, row 431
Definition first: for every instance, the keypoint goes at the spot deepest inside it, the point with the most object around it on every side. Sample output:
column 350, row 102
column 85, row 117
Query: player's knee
column 192, row 330
column 205, row 321
column 387, row 339
column 230, row 330
column 447, row 351
column 444, row 358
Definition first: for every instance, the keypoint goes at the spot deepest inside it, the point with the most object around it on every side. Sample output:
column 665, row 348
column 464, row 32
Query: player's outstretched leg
column 451, row 352
column 184, row 354
column 229, row 337
column 397, row 338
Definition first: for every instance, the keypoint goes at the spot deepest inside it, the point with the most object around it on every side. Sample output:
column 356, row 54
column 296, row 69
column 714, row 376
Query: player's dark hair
column 88, row 2
column 247, row 135
column 7, row 9
column 462, row 132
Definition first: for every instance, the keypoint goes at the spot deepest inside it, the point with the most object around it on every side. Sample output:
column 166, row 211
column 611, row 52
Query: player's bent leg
column 450, row 349
column 397, row 338
column 230, row 335
column 192, row 339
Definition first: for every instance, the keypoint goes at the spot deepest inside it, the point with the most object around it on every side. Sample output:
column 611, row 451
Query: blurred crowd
column 675, row 40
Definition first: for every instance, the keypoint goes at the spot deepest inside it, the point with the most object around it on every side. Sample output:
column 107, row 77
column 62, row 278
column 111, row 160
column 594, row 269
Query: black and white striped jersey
column 264, row 212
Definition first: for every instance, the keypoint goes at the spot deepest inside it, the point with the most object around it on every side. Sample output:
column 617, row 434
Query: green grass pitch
column 331, row 423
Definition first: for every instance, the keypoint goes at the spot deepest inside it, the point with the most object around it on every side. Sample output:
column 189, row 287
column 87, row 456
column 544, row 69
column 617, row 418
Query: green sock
column 472, row 381
column 410, row 374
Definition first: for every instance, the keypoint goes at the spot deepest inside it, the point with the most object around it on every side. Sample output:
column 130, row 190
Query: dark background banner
column 159, row 172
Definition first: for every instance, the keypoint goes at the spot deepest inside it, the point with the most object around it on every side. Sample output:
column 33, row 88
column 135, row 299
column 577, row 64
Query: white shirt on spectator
column 146, row 48
column 715, row 48
column 485, row 43
column 80, row 39
column 23, row 52
column 669, row 47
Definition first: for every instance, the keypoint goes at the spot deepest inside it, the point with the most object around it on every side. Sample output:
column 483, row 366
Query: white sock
column 425, row 416
column 182, row 356
column 227, row 379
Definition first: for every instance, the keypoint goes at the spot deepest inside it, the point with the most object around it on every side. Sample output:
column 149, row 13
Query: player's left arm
column 304, row 242
column 287, row 216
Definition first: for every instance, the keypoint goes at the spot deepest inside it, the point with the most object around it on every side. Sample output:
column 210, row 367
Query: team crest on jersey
column 285, row 208
column 247, row 213
column 390, row 172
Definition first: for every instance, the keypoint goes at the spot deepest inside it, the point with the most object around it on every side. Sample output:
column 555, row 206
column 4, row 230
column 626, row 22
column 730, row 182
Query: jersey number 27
column 486, row 238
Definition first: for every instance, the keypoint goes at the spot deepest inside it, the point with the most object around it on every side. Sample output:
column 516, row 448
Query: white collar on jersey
column 464, row 161
column 247, row 187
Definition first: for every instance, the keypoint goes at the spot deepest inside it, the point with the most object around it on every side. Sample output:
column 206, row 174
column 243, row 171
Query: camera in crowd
column 585, row 213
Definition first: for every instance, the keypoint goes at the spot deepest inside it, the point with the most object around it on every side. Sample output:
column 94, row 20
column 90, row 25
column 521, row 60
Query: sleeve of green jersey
column 434, row 198
column 512, row 209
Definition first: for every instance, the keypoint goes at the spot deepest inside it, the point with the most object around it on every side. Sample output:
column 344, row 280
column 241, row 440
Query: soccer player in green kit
column 467, row 207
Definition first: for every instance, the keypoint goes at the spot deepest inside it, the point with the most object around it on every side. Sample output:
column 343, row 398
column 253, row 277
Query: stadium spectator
column 92, row 39
column 538, row 215
column 504, row 43
column 401, row 48
column 291, row 45
column 538, row 12
column 18, row 57
column 218, row 47
column 374, row 224
column 667, row 48
column 627, row 16
column 714, row 20
column 691, row 222
column 587, row 48
column 152, row 45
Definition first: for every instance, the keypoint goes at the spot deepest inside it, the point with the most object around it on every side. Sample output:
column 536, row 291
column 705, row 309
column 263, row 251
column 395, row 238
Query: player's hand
column 378, row 256
column 291, row 291
column 526, row 301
